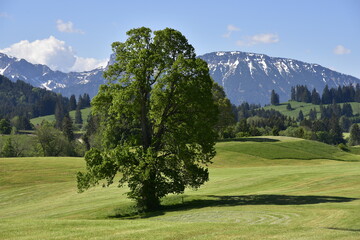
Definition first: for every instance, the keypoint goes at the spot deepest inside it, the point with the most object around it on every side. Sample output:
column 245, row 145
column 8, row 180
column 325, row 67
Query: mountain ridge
column 245, row 76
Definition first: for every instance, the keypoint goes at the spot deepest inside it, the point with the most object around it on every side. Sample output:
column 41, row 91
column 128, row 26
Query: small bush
column 343, row 147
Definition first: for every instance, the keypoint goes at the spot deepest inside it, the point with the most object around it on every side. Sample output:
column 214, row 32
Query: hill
column 280, row 188
column 305, row 108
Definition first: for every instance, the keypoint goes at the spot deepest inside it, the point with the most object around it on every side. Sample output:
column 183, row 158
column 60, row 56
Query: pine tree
column 326, row 96
column 67, row 128
column 313, row 114
column 347, row 110
column 300, row 116
column 78, row 116
column 293, row 94
column 357, row 93
column 72, row 103
column 274, row 98
column 288, row 107
column 80, row 102
column 86, row 100
column 306, row 95
column 315, row 97
column 59, row 113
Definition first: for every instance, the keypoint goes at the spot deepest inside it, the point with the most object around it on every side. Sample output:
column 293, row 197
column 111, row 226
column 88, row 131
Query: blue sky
column 76, row 35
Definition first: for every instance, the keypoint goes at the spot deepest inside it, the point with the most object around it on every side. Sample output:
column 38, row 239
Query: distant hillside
column 21, row 99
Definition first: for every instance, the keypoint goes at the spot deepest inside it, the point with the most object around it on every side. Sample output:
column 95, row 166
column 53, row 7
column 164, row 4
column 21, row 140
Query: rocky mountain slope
column 251, row 77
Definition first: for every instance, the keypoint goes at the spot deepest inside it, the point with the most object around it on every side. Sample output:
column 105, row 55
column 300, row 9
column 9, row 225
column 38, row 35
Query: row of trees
column 341, row 94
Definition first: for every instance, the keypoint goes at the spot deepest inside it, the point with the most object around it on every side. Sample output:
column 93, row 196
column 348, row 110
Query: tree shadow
column 227, row 201
column 345, row 229
column 249, row 139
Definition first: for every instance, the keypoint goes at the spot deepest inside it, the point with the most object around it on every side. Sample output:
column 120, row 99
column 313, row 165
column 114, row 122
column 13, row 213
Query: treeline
column 252, row 120
column 326, row 124
column 342, row 94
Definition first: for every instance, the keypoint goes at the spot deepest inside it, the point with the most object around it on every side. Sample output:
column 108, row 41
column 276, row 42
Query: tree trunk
column 149, row 199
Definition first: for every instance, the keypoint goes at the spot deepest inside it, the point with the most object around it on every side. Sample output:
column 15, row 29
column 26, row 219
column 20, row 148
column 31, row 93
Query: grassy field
column 259, row 188
column 305, row 108
column 51, row 118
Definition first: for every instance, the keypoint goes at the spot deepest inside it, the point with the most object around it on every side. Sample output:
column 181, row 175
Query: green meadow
column 51, row 118
column 259, row 188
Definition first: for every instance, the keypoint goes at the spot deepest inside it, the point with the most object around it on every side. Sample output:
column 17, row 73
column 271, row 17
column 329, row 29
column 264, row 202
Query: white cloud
column 86, row 64
column 263, row 38
column 67, row 27
column 4, row 15
column 230, row 29
column 54, row 53
column 341, row 50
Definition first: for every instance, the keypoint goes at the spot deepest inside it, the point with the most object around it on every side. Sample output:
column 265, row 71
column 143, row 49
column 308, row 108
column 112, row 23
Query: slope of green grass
column 305, row 108
column 51, row 118
column 277, row 188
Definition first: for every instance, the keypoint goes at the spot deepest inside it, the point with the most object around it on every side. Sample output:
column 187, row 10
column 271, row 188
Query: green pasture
column 305, row 108
column 259, row 188
column 51, row 118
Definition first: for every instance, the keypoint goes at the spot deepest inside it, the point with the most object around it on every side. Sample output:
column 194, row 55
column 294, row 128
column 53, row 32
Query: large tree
column 158, row 116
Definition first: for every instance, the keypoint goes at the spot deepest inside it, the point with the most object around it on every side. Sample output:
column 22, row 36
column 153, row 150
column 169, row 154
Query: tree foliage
column 5, row 127
column 226, row 116
column 158, row 115
column 354, row 134
column 8, row 149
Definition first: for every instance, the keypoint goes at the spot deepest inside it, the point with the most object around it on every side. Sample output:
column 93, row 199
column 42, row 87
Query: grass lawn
column 261, row 188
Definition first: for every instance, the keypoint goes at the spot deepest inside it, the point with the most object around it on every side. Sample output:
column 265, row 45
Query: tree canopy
column 158, row 116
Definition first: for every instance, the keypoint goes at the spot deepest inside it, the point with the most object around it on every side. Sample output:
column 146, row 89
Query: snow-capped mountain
column 245, row 76
column 251, row 77
column 42, row 76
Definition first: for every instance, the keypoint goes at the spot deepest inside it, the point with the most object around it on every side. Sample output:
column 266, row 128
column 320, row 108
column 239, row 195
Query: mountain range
column 245, row 76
